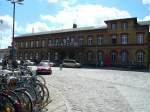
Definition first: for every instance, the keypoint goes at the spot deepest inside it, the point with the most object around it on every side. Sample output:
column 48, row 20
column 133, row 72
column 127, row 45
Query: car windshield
column 44, row 64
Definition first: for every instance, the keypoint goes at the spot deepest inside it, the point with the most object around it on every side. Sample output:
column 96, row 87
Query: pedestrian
column 60, row 67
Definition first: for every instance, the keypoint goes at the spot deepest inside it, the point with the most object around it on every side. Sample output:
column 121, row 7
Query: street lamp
column 13, row 53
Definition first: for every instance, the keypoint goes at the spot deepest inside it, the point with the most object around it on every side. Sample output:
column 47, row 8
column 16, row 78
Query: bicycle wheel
column 8, row 104
column 12, row 94
column 25, row 98
column 41, row 79
column 38, row 87
column 47, row 98
column 32, row 93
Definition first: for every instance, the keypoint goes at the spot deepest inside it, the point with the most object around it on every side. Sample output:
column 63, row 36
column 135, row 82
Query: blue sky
column 45, row 15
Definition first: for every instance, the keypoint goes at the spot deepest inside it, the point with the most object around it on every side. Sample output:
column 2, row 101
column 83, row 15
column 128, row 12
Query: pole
column 13, row 21
column 13, row 32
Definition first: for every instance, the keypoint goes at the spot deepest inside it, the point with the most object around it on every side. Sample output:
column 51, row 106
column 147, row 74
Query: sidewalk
column 58, row 102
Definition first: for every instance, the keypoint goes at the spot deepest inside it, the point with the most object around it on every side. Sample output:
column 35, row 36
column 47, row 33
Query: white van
column 70, row 63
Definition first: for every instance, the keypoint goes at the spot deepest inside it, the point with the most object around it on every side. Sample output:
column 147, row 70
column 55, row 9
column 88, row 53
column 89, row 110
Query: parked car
column 29, row 62
column 45, row 61
column 43, row 68
column 51, row 63
column 71, row 63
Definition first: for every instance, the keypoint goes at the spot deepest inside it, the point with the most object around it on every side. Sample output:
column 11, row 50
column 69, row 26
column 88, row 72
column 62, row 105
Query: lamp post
column 13, row 52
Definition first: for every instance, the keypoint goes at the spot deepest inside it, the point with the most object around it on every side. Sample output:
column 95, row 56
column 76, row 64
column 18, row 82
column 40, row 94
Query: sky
column 46, row 15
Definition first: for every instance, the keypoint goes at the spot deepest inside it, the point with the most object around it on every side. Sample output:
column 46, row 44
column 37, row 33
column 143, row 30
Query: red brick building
column 121, row 42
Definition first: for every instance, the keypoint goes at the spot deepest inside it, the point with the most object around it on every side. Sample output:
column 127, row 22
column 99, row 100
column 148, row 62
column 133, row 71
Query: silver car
column 70, row 63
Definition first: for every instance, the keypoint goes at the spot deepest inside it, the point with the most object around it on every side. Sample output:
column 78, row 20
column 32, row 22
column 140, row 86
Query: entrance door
column 100, row 59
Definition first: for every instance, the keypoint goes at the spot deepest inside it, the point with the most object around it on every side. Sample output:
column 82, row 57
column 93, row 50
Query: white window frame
column 124, row 56
column 32, row 42
column 80, row 41
column 140, row 56
column 26, row 44
column 99, row 40
column 140, row 38
column 124, row 39
column 90, row 41
column 124, row 25
column 43, row 43
column 37, row 43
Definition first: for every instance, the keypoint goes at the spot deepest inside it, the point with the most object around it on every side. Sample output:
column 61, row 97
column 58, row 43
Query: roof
column 144, row 22
column 78, row 29
column 121, row 19
column 63, row 31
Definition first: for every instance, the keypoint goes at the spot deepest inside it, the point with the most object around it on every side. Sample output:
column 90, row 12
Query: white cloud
column 85, row 15
column 6, row 22
column 37, row 27
column 64, row 3
column 146, row 2
column 6, row 30
column 53, row 1
column 147, row 18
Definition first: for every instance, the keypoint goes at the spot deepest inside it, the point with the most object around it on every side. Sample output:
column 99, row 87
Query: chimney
column 74, row 25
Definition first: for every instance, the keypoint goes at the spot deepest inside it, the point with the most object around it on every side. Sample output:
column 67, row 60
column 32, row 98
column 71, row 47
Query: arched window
column 26, row 56
column 100, row 58
column 124, row 57
column 56, row 55
column 140, row 56
column 37, row 55
column 89, row 56
column 113, row 57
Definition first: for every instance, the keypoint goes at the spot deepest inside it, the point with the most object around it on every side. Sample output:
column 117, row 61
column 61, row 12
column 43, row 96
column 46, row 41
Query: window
column 140, row 56
column 56, row 56
column 113, row 57
column 49, row 43
column 26, row 44
column 124, row 25
column 37, row 43
column 89, row 40
column 81, row 41
column 68, row 41
column 72, row 41
column 99, row 40
column 100, row 58
column 140, row 38
column 64, row 42
column 89, row 58
column 114, row 39
column 124, row 39
column 124, row 57
column 113, row 26
column 31, row 56
column 26, row 56
column 37, row 55
column 21, row 56
column 31, row 44
column 43, row 43
column 49, row 55
column 21, row 45
column 57, row 42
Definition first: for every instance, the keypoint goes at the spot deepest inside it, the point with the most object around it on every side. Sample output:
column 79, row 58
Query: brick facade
column 121, row 42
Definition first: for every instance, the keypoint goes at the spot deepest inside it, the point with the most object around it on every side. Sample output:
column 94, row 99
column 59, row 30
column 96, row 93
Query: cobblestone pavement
column 93, row 90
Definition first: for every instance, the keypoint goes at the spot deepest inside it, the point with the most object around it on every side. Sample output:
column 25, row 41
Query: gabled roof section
column 123, row 19
column 63, row 31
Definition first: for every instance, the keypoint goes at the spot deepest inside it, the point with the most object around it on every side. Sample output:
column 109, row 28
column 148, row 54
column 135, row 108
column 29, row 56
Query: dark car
column 44, row 68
